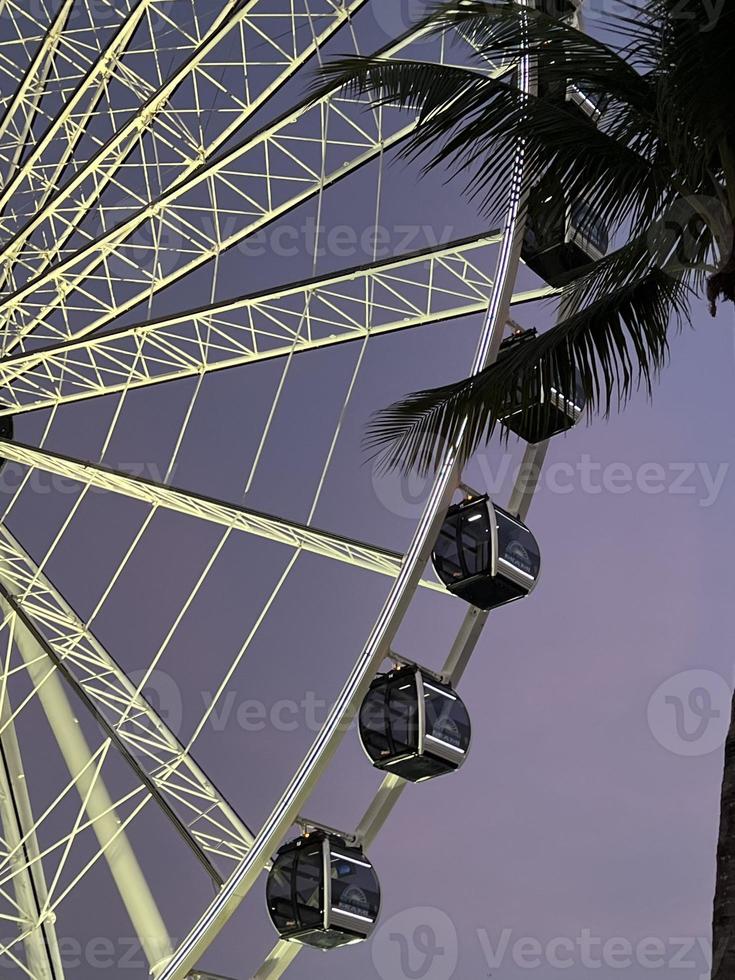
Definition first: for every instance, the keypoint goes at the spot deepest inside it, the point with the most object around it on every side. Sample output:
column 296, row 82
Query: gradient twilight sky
column 583, row 810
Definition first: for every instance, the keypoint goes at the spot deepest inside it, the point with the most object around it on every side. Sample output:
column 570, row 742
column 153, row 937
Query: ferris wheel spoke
column 58, row 850
column 427, row 287
column 163, row 139
column 250, row 185
column 29, row 31
column 198, row 810
column 121, row 176
column 85, row 118
column 89, row 59
column 19, row 113
column 69, row 125
column 290, row 533
column 278, row 961
column 35, row 169
column 253, row 178
column 36, row 931
column 85, row 771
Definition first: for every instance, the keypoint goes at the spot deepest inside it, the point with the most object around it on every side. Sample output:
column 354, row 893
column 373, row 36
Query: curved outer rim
column 377, row 647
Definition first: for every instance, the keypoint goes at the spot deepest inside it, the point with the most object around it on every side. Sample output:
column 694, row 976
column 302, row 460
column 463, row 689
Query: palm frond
column 676, row 248
column 616, row 344
column 472, row 123
column 504, row 32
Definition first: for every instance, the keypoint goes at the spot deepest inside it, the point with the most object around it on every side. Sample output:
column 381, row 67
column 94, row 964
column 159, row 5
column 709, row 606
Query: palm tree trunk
column 723, row 922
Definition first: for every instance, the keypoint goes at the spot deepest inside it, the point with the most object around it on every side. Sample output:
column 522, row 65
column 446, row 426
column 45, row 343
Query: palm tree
column 662, row 154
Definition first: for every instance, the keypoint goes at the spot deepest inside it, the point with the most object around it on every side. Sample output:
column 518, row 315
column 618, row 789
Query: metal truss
column 43, row 58
column 426, row 287
column 396, row 294
column 21, row 850
column 242, row 58
column 119, row 180
column 246, row 188
column 19, row 113
column 290, row 533
column 196, row 807
column 387, row 624
column 96, row 813
column 62, row 136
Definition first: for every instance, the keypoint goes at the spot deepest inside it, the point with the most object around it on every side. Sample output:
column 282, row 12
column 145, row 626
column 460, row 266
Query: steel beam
column 378, row 643
column 262, row 525
column 386, row 627
column 68, row 205
column 37, row 929
column 259, row 180
column 71, row 121
column 121, row 859
column 426, row 287
column 27, row 96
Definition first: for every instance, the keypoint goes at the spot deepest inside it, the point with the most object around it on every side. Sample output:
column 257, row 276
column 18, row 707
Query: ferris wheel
column 143, row 144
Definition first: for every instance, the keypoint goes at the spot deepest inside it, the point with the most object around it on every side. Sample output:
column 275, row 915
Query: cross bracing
column 278, row 530
column 126, row 165
column 247, row 187
column 159, row 759
column 172, row 131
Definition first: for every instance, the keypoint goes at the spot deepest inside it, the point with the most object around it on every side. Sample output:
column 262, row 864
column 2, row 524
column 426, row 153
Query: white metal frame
column 97, row 803
column 202, row 816
column 64, row 290
column 378, row 644
column 20, row 846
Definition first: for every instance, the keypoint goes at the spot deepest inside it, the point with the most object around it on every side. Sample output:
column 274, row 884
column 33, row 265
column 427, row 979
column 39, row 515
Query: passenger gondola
column 563, row 9
column 485, row 555
column 551, row 409
column 322, row 891
column 576, row 95
column 560, row 238
column 414, row 725
column 593, row 104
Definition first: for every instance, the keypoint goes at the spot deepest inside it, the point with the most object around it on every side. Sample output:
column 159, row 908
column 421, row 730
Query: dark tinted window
column 355, row 888
column 546, row 220
column 446, row 551
column 403, row 715
column 446, row 717
column 374, row 723
column 587, row 224
column 278, row 892
column 476, row 538
column 309, row 872
column 516, row 544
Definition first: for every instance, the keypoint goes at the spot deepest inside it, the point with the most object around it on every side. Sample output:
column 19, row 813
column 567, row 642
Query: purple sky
column 570, row 818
